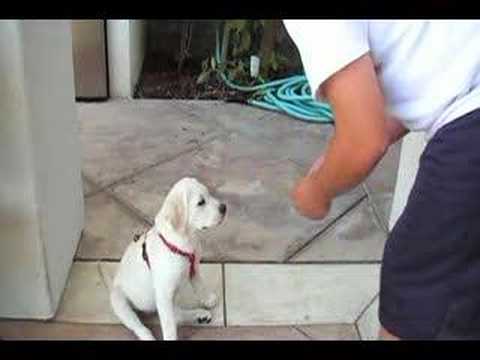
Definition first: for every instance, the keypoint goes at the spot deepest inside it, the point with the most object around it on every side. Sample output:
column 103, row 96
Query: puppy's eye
column 201, row 202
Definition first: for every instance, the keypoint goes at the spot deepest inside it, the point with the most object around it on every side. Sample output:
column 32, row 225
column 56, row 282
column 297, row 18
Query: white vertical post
column 126, row 51
column 412, row 148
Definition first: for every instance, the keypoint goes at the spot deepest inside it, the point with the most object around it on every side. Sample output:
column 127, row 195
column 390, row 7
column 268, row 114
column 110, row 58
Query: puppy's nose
column 223, row 209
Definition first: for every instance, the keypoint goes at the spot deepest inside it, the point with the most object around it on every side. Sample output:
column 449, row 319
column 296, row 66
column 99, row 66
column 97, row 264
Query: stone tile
column 298, row 294
column 109, row 228
column 86, row 298
column 243, row 333
column 368, row 324
column 357, row 236
column 301, row 141
column 381, row 183
column 330, row 331
column 255, row 183
column 121, row 137
column 37, row 330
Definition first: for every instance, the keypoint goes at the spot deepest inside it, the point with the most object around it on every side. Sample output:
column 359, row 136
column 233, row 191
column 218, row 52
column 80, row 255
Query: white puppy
column 156, row 263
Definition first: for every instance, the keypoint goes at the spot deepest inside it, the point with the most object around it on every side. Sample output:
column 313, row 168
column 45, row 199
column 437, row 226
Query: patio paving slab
column 299, row 294
column 244, row 333
column 330, row 331
column 39, row 330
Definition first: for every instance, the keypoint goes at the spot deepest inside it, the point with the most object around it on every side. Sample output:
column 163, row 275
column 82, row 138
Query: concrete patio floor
column 278, row 275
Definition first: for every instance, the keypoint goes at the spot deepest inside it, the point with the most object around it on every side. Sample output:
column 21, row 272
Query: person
column 384, row 79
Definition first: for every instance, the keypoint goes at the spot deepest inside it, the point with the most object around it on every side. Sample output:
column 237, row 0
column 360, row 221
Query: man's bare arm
column 363, row 133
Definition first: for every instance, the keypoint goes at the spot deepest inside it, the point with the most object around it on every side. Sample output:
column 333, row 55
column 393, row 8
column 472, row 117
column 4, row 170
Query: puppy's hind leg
column 127, row 315
column 166, row 313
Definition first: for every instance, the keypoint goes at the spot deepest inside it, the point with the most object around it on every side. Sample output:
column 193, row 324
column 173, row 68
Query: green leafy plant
column 240, row 40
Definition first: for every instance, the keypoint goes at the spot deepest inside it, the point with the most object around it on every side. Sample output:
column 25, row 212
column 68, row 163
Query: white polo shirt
column 429, row 70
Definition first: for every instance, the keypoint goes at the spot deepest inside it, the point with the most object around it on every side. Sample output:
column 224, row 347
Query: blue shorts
column 430, row 278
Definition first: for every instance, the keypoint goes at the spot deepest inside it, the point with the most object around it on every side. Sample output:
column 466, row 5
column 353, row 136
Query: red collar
column 190, row 256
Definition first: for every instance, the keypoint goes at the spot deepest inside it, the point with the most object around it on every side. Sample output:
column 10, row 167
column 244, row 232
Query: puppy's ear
column 175, row 209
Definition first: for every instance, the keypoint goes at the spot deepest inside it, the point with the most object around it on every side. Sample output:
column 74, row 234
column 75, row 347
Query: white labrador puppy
column 157, row 262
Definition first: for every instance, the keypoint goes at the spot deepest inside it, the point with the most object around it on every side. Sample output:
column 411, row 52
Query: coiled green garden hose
column 291, row 95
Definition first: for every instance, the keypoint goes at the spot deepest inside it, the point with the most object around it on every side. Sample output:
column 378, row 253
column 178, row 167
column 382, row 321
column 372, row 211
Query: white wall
column 138, row 42
column 41, row 201
column 412, row 148
column 126, row 51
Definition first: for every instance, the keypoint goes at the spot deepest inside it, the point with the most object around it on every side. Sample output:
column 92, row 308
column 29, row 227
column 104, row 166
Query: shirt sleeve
column 327, row 46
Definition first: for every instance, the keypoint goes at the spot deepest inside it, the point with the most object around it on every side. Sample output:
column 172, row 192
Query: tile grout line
column 357, row 329
column 54, row 321
column 129, row 207
column 125, row 207
column 379, row 218
column 87, row 180
column 246, row 262
column 197, row 147
column 370, row 303
column 93, row 260
column 96, row 187
column 224, row 294
column 320, row 262
column 335, row 221
column 302, row 332
column 145, row 168
column 103, row 278
column 141, row 171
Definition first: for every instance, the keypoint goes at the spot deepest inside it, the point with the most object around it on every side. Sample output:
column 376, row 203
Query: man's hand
column 310, row 201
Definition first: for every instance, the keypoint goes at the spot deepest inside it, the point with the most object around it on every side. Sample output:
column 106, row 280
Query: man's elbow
column 380, row 147
column 363, row 158
column 372, row 152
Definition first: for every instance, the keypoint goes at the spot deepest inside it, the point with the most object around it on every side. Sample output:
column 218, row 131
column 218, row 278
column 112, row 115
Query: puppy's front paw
column 210, row 301
column 203, row 317
column 145, row 336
